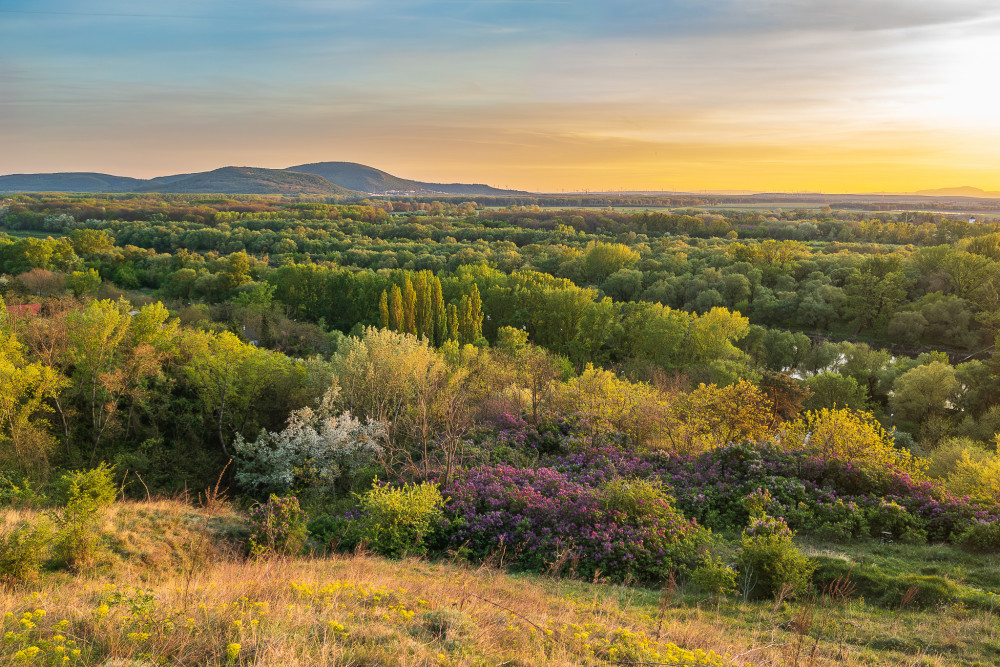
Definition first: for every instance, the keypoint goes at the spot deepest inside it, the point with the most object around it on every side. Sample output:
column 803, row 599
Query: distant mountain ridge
column 360, row 177
column 964, row 191
column 68, row 182
column 319, row 178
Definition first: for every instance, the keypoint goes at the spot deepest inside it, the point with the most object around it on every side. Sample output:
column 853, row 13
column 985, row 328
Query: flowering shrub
column 538, row 519
column 317, row 451
column 825, row 496
column 277, row 527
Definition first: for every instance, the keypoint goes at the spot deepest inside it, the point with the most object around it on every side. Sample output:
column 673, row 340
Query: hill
column 68, row 182
column 171, row 586
column 964, row 191
column 361, row 177
column 245, row 180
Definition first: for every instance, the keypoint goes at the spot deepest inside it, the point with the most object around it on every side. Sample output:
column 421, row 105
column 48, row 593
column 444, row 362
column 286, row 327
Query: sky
column 541, row 95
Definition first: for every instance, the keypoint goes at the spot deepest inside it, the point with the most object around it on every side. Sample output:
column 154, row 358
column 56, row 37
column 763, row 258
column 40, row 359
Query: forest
column 705, row 401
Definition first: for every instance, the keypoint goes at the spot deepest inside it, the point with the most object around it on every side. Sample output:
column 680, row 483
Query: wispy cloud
column 793, row 90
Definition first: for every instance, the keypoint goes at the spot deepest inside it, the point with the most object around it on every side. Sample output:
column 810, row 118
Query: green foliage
column 397, row 521
column 23, row 550
column 277, row 527
column 981, row 537
column 19, row 494
column 889, row 519
column 96, row 484
column 79, row 537
column 642, row 499
column 714, row 577
column 769, row 563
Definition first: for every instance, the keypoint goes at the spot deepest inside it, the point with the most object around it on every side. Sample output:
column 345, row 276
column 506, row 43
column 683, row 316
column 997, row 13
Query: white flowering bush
column 318, row 452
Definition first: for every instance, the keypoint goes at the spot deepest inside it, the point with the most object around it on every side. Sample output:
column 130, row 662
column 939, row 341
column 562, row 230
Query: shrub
column 769, row 562
column 22, row 552
column 96, row 484
column 641, row 499
column 277, row 527
column 981, row 537
column 397, row 521
column 16, row 494
column 87, row 493
column 890, row 519
column 849, row 435
column 625, row 647
column 318, row 454
column 540, row 520
column 714, row 577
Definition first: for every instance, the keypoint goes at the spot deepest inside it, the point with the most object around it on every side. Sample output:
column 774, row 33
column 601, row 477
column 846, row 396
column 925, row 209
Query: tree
column 232, row 379
column 409, row 307
column 83, row 282
column 833, row 390
column 383, row 311
column 602, row 400
column 924, row 391
column 873, row 292
column 25, row 443
column 713, row 416
column 851, row 436
column 396, row 318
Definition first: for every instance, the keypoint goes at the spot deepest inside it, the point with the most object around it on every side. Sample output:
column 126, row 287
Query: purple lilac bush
column 833, row 498
column 539, row 518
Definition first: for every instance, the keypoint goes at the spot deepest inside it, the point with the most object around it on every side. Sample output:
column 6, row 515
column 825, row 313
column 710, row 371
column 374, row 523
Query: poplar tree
column 421, row 304
column 383, row 311
column 452, row 322
column 409, row 307
column 396, row 309
column 440, row 313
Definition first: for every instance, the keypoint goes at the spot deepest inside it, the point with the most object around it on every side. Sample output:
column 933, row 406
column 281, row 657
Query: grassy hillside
column 173, row 587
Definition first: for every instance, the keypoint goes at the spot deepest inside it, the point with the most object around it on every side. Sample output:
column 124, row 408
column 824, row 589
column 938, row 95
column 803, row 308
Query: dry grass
column 157, row 601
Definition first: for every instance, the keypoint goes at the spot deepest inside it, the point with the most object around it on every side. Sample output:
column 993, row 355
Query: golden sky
column 775, row 95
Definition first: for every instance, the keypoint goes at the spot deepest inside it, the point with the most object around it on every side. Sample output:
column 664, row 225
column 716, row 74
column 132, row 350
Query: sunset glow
column 789, row 95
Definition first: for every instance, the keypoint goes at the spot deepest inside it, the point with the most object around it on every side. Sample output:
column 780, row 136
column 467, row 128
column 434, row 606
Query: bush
column 640, row 499
column 714, row 577
column 540, row 520
column 19, row 494
column 22, row 552
column 97, row 484
column 277, row 527
column 88, row 492
column 770, row 563
column 397, row 521
column 317, row 456
column 981, row 537
column 891, row 520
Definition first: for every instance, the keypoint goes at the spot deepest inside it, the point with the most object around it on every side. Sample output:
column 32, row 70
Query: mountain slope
column 361, row 177
column 964, row 191
column 68, row 182
column 246, row 180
